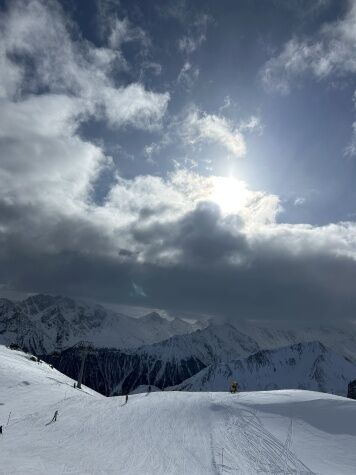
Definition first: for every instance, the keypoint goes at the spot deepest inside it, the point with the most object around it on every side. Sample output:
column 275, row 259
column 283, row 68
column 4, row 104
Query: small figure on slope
column 54, row 418
column 233, row 387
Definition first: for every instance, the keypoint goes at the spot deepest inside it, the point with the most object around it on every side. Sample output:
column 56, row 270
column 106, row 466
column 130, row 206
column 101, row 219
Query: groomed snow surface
column 279, row 432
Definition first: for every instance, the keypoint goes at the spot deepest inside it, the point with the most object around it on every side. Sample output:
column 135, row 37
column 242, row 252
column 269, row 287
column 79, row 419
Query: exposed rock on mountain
column 303, row 366
column 43, row 323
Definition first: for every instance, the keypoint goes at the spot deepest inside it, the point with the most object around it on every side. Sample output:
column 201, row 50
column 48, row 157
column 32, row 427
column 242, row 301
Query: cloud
column 117, row 31
column 350, row 150
column 299, row 201
column 122, row 31
column 331, row 51
column 303, row 8
column 200, row 262
column 135, row 106
column 252, row 124
column 198, row 29
column 174, row 242
column 188, row 75
column 43, row 159
column 188, row 44
column 200, row 127
column 50, row 57
column 186, row 241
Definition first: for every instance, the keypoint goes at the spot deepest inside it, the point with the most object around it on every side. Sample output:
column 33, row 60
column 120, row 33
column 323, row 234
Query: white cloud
column 43, row 161
column 252, row 124
column 135, row 106
column 192, row 41
column 332, row 51
column 46, row 166
column 39, row 34
column 201, row 127
column 299, row 201
column 188, row 45
column 350, row 150
column 122, row 31
column 151, row 66
column 188, row 75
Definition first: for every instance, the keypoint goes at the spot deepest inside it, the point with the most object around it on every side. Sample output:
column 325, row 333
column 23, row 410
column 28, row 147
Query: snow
column 45, row 323
column 303, row 366
column 145, row 388
column 215, row 343
column 287, row 431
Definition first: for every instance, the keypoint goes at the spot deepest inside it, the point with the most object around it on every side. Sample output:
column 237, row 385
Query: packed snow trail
column 279, row 432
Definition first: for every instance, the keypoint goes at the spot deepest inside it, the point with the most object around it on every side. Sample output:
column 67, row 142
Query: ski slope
column 284, row 432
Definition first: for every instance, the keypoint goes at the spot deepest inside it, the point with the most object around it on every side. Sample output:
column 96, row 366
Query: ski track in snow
column 247, row 435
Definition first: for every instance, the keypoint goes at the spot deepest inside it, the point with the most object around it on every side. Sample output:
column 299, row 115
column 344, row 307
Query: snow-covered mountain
column 167, row 432
column 340, row 337
column 162, row 364
column 207, row 364
column 133, row 352
column 43, row 323
column 215, row 343
column 303, row 366
column 112, row 372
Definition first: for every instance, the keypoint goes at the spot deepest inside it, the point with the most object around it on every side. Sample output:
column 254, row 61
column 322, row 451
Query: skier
column 54, row 418
column 233, row 387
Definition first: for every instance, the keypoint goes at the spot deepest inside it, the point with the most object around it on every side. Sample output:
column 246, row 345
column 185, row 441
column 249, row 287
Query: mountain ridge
column 307, row 365
column 44, row 323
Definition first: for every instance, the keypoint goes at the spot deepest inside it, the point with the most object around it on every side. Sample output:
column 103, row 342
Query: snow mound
column 167, row 432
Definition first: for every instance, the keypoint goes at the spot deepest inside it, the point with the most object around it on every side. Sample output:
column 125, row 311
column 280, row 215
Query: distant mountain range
column 44, row 323
column 308, row 365
column 154, row 350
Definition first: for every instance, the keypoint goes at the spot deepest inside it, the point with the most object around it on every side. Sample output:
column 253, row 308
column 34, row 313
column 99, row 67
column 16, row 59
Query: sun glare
column 230, row 194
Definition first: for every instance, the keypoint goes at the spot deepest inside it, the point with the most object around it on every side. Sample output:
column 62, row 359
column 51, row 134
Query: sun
column 229, row 194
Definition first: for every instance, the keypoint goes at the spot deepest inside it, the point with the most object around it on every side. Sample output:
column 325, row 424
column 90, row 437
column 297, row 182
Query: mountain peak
column 153, row 317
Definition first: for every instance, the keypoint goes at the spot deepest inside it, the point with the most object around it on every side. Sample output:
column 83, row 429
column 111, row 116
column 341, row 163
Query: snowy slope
column 305, row 366
column 169, row 432
column 213, row 344
column 26, row 386
column 43, row 323
column 341, row 338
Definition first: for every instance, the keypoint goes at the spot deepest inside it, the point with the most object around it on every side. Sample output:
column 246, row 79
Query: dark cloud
column 216, row 272
column 200, row 236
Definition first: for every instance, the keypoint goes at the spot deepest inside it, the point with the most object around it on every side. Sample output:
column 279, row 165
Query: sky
column 195, row 156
